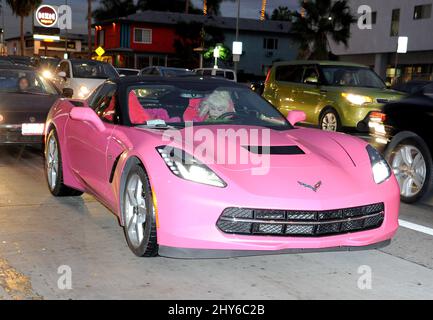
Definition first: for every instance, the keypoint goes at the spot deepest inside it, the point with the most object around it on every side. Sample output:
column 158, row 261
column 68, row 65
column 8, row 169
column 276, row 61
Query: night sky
column 249, row 9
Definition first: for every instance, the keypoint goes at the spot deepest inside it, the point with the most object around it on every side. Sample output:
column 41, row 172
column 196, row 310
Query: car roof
column 320, row 62
column 194, row 79
column 84, row 60
column 219, row 69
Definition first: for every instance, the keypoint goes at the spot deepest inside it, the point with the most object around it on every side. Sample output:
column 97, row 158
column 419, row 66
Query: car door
column 87, row 146
column 286, row 87
column 310, row 93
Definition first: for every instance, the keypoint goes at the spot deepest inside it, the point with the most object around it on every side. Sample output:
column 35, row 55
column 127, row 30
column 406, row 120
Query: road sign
column 100, row 51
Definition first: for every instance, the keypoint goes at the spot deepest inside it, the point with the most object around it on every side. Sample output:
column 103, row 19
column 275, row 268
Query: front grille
column 301, row 223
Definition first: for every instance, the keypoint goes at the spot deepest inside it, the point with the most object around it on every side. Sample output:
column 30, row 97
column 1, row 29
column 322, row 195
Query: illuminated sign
column 46, row 16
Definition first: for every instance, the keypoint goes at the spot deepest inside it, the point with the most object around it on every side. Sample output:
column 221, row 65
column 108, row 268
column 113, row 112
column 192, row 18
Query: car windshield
column 203, row 104
column 24, row 81
column 346, row 76
column 93, row 70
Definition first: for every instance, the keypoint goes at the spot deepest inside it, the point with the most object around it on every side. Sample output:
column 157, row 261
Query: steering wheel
column 226, row 115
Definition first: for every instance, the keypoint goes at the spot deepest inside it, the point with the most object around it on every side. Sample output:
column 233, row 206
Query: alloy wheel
column 135, row 210
column 410, row 169
column 329, row 122
column 52, row 159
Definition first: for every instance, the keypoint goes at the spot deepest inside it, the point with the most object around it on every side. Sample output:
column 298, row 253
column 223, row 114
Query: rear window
column 289, row 73
column 230, row 75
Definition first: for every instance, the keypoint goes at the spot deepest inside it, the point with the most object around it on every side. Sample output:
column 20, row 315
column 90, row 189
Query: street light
column 216, row 55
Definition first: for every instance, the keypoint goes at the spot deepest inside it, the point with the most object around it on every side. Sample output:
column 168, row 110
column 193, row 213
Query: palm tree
column 22, row 9
column 214, row 7
column 317, row 22
column 282, row 14
column 109, row 9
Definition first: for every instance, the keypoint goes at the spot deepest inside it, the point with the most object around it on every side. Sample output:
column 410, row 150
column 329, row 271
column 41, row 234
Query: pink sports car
column 200, row 167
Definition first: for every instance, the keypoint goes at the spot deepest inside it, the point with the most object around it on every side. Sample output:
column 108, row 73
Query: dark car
column 6, row 61
column 165, row 71
column 25, row 99
column 403, row 131
column 411, row 87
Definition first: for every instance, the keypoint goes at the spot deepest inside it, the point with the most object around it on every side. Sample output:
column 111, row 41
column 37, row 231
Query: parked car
column 82, row 76
column 25, row 99
column 176, row 193
column 411, row 87
column 336, row 96
column 6, row 61
column 165, row 71
column 220, row 73
column 128, row 72
column 403, row 131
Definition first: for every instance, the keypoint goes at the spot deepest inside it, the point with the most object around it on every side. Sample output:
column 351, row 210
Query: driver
column 346, row 79
column 213, row 107
column 23, row 84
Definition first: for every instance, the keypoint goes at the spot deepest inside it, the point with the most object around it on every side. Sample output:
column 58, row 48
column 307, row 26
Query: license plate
column 32, row 129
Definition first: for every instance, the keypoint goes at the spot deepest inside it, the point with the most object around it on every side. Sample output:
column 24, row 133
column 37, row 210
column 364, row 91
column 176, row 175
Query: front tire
column 139, row 214
column 412, row 164
column 330, row 121
column 54, row 168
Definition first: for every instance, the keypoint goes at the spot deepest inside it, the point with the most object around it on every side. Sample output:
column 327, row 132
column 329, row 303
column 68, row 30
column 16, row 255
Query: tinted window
column 347, row 76
column 93, row 70
column 105, row 103
column 230, row 75
column 289, row 73
column 428, row 91
column 25, row 82
column 310, row 75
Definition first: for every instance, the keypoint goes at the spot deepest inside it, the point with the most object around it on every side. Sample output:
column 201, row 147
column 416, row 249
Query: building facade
column 377, row 47
column 147, row 38
column 76, row 46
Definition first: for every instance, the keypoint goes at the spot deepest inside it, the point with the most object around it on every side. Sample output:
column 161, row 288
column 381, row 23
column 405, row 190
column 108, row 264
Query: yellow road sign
column 100, row 51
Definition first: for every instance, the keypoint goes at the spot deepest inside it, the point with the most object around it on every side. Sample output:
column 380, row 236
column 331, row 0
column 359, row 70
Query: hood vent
column 275, row 150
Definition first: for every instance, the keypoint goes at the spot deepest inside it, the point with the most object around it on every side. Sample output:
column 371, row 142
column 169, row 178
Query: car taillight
column 377, row 116
column 268, row 76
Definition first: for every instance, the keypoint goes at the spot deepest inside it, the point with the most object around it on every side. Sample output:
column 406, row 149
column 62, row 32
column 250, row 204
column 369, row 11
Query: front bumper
column 188, row 223
column 11, row 134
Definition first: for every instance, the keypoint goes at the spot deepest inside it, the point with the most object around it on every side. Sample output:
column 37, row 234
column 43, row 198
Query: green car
column 334, row 95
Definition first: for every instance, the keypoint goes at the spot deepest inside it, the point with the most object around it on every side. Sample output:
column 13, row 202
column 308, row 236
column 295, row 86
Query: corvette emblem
column 315, row 188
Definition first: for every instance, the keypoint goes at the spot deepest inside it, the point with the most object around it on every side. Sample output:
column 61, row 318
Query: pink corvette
column 196, row 168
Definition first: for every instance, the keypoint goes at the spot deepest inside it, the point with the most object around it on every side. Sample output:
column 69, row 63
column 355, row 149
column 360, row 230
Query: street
column 40, row 236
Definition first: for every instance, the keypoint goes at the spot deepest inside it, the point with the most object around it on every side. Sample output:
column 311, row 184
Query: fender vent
column 275, row 150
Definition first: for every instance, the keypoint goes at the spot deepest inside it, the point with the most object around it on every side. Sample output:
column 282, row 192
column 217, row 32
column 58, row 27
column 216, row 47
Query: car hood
column 17, row 107
column 339, row 162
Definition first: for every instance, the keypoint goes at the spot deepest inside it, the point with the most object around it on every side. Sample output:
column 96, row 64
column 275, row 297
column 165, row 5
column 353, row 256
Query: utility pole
column 89, row 27
column 187, row 6
column 237, row 31
column 66, row 38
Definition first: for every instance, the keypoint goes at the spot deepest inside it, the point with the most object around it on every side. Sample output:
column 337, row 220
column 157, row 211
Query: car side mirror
column 61, row 74
column 87, row 114
column 388, row 85
column 67, row 93
column 296, row 116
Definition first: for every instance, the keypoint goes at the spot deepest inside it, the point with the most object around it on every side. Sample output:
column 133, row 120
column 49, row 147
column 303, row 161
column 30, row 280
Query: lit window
column 395, row 22
column 142, row 35
column 422, row 12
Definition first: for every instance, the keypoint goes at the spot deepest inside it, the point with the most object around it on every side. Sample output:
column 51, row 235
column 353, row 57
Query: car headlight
column 379, row 166
column 357, row 99
column 83, row 92
column 47, row 74
column 189, row 168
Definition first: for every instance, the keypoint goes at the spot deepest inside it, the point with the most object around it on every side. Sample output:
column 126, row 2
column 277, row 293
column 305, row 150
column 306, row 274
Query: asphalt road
column 73, row 248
